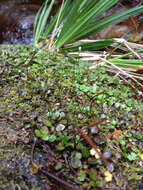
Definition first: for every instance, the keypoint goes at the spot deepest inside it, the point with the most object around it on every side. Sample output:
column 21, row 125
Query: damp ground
column 42, row 102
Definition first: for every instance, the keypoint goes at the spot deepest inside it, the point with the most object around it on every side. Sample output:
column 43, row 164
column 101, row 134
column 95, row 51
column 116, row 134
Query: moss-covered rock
column 39, row 95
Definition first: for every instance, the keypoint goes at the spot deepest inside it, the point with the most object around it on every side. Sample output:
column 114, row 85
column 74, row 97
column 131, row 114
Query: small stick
column 60, row 180
column 97, row 95
column 97, row 123
column 30, row 61
column 90, row 142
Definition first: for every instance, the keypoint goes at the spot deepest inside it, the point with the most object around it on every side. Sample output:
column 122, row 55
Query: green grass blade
column 89, row 46
column 41, row 23
column 97, row 10
column 69, row 21
column 95, row 28
column 52, row 23
column 127, row 54
column 83, row 4
column 127, row 63
column 38, row 20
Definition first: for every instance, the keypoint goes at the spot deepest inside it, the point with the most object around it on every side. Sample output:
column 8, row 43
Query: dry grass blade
column 87, row 56
column 135, row 53
column 114, row 71
column 122, row 71
column 132, row 72
column 131, row 46
column 80, row 41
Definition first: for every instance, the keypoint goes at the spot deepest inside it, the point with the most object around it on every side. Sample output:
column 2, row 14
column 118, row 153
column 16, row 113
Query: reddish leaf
column 117, row 132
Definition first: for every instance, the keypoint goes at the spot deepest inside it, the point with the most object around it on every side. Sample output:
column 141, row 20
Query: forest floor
column 53, row 110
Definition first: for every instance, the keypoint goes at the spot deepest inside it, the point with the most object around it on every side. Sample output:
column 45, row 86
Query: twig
column 29, row 62
column 93, row 98
column 50, row 174
column 60, row 180
column 97, row 123
column 90, row 142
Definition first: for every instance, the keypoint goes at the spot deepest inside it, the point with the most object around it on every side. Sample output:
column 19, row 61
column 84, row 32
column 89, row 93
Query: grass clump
column 77, row 20
column 68, row 31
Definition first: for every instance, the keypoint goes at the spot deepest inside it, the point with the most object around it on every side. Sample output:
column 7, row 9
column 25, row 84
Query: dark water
column 16, row 20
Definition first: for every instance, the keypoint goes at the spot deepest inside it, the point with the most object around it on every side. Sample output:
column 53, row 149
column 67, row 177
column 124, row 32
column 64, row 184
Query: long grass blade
column 95, row 28
column 41, row 20
column 66, row 36
column 53, row 21
column 89, row 46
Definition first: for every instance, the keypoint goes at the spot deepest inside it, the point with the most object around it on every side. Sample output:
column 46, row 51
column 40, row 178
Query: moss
column 54, row 90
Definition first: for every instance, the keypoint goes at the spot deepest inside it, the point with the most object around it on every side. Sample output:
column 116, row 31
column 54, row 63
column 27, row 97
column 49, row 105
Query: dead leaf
column 117, row 132
column 34, row 168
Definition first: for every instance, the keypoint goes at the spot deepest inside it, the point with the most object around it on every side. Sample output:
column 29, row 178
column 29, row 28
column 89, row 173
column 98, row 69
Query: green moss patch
column 45, row 97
